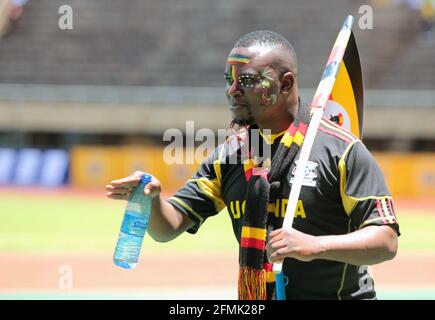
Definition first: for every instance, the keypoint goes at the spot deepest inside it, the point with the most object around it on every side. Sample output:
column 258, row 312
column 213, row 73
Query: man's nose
column 235, row 90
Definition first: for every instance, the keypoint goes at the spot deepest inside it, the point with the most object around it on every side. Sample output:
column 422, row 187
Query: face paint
column 256, row 90
column 265, row 85
column 235, row 60
column 238, row 58
column 249, row 80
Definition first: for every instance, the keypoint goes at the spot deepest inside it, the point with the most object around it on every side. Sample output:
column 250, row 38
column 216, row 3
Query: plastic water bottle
column 134, row 226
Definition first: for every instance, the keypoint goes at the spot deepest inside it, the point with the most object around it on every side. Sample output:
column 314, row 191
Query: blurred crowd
column 10, row 14
column 428, row 22
column 426, row 9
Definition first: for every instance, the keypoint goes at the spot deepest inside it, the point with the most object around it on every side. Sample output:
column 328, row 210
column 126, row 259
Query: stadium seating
column 166, row 42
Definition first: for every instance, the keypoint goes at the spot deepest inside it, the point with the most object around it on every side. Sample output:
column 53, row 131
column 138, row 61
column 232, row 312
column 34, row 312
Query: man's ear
column 287, row 82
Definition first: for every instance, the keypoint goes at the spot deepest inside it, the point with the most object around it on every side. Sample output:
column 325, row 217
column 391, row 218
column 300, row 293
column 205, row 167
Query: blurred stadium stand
column 185, row 43
column 130, row 70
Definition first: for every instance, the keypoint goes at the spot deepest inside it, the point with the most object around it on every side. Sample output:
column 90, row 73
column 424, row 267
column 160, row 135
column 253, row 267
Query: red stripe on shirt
column 381, row 211
column 390, row 204
column 335, row 134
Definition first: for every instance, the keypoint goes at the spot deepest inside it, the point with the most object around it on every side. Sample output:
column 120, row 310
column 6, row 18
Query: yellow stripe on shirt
column 348, row 202
column 187, row 207
column 212, row 190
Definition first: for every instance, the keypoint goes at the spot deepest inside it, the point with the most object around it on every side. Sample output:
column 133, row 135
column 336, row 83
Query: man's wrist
column 321, row 247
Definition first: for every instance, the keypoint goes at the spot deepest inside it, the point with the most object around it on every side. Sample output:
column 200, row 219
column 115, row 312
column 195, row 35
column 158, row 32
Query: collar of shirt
column 270, row 138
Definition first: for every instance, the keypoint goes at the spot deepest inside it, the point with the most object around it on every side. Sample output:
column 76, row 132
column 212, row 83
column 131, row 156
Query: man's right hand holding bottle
column 166, row 222
column 121, row 189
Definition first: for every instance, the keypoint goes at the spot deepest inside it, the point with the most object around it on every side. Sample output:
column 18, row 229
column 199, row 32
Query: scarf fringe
column 252, row 284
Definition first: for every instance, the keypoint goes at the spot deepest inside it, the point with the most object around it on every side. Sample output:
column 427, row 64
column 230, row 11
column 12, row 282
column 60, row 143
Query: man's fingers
column 275, row 235
column 129, row 181
column 122, row 188
column 152, row 189
column 277, row 245
column 275, row 257
column 117, row 196
column 132, row 180
column 279, row 255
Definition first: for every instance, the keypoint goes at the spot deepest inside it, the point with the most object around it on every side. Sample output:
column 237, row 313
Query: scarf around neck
column 264, row 186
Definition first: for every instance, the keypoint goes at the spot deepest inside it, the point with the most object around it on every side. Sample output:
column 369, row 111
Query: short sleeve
column 201, row 197
column 363, row 190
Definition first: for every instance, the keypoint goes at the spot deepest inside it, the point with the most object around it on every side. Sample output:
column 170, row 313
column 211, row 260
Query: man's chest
column 318, row 210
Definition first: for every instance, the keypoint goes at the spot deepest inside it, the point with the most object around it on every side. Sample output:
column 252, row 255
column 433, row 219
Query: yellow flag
column 346, row 102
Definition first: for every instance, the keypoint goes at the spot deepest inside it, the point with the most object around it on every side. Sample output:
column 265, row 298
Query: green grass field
column 61, row 224
column 69, row 225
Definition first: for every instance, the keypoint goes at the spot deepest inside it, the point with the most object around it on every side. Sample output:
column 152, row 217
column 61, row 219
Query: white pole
column 319, row 103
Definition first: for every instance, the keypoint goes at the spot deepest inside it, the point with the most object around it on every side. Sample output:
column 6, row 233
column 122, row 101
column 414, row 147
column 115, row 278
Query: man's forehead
column 254, row 55
column 254, row 50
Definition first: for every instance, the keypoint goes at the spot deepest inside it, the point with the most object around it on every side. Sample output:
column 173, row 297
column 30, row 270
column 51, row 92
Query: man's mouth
column 236, row 106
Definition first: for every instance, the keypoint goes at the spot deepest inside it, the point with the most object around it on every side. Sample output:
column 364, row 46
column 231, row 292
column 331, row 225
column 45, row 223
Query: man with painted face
column 344, row 220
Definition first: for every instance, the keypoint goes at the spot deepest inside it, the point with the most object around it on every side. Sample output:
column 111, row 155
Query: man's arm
column 166, row 222
column 367, row 246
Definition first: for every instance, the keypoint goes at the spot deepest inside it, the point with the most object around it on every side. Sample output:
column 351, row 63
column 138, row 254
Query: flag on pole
column 341, row 90
column 346, row 101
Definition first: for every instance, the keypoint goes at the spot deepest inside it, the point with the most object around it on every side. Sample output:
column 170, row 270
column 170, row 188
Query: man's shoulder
column 228, row 151
column 332, row 141
column 333, row 132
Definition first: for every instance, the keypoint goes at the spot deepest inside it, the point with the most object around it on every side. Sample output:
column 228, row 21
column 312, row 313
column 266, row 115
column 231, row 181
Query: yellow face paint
column 234, row 60
column 267, row 98
column 233, row 72
column 265, row 83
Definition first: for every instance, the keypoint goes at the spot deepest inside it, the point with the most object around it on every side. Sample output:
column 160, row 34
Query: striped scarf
column 264, row 186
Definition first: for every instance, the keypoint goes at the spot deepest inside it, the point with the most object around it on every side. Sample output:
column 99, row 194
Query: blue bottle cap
column 146, row 178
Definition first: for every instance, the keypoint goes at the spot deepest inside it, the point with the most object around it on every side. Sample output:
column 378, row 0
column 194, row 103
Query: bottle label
column 134, row 225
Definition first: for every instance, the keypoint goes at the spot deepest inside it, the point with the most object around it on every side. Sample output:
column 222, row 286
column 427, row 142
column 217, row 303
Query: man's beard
column 243, row 122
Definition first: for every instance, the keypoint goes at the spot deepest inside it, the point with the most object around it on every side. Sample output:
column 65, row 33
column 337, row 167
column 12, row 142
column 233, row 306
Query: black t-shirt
column 343, row 191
